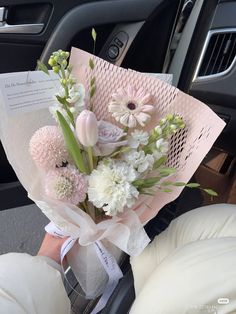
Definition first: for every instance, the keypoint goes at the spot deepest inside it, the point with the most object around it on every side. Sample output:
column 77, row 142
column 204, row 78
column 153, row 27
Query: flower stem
column 89, row 209
column 83, row 206
column 90, row 157
column 65, row 87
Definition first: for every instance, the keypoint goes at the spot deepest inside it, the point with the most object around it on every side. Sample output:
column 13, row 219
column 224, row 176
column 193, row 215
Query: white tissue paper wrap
column 124, row 233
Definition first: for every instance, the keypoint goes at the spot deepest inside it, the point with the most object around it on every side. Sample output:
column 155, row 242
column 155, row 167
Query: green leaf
column 152, row 181
column 64, row 103
column 71, row 143
column 61, row 100
column 120, row 151
column 42, row 67
column 167, row 190
column 166, row 183
column 92, row 91
column 146, row 183
column 94, row 34
column 138, row 183
column 92, row 82
column 165, row 172
column 210, row 192
column 91, row 64
column 159, row 162
column 146, row 193
column 106, row 162
column 193, row 185
column 179, row 184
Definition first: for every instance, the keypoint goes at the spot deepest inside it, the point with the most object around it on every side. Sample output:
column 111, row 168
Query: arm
column 33, row 284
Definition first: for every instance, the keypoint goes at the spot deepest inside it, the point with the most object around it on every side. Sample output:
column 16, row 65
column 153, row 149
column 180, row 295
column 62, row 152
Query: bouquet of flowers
column 117, row 146
column 94, row 164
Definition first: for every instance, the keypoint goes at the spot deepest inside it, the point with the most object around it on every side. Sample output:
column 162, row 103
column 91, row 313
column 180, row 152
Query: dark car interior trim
column 91, row 14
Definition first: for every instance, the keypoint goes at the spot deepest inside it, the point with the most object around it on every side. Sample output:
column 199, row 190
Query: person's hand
column 51, row 247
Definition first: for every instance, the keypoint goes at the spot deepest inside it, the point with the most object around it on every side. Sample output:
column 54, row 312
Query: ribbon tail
column 114, row 274
column 107, row 260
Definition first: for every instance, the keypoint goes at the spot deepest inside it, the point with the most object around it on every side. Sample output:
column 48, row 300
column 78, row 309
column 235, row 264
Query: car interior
column 195, row 40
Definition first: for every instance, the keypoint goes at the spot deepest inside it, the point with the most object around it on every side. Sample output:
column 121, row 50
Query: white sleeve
column 193, row 279
column 31, row 284
column 207, row 222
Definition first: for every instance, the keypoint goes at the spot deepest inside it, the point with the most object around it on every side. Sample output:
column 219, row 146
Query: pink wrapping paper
column 188, row 147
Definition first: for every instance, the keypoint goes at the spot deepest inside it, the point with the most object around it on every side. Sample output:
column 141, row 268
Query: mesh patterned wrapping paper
column 188, row 147
column 125, row 232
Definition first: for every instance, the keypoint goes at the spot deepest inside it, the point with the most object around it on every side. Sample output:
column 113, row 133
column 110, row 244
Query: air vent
column 219, row 53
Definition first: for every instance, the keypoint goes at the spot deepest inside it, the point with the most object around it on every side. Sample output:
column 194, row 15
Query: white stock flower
column 56, row 107
column 162, row 146
column 53, row 110
column 76, row 102
column 77, row 97
column 110, row 186
column 139, row 160
column 157, row 155
column 158, row 130
column 138, row 137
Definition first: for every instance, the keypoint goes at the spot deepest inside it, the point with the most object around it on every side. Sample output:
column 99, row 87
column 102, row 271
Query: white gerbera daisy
column 110, row 186
column 131, row 107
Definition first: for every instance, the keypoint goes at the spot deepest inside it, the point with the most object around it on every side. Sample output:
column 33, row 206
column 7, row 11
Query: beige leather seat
column 191, row 266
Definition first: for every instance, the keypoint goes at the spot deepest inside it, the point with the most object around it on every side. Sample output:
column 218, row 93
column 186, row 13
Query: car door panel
column 207, row 70
column 27, row 48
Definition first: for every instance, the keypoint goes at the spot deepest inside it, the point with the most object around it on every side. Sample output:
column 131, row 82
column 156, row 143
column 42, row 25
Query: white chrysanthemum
column 138, row 137
column 110, row 187
column 139, row 160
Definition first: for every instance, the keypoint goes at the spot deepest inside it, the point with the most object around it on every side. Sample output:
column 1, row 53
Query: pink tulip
column 87, row 128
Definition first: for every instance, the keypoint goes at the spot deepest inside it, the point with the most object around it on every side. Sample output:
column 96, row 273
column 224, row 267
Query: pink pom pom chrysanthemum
column 66, row 184
column 47, row 147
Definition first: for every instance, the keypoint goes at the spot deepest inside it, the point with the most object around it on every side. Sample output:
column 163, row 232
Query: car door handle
column 21, row 28
column 6, row 28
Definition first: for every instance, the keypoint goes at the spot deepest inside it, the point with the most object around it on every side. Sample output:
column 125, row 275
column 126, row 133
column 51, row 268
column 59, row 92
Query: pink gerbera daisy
column 131, row 107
